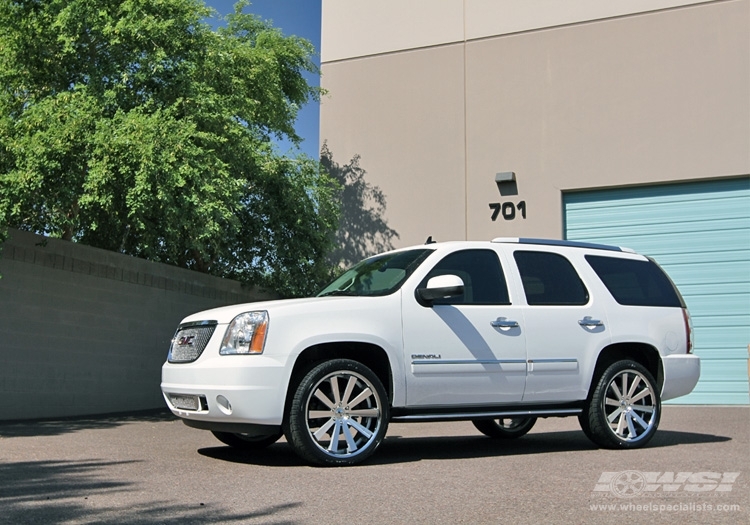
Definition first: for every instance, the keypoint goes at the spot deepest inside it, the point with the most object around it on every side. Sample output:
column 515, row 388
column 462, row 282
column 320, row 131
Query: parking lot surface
column 150, row 468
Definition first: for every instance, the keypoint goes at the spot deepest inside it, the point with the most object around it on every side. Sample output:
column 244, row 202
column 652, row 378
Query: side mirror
column 440, row 287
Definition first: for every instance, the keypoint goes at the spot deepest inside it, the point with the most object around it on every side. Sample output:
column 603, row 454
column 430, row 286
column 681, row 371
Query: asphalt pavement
column 150, row 468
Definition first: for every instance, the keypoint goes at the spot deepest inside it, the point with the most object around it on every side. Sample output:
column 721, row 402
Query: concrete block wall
column 85, row 331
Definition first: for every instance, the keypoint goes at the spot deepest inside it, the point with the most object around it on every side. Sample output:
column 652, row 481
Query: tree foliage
column 133, row 126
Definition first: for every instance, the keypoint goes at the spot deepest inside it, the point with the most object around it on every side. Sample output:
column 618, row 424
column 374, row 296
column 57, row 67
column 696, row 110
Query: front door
column 467, row 350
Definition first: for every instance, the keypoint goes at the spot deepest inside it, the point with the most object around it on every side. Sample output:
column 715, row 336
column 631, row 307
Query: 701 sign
column 508, row 210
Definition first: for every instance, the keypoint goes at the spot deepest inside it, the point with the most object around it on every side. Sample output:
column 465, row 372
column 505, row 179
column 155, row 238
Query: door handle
column 590, row 322
column 504, row 323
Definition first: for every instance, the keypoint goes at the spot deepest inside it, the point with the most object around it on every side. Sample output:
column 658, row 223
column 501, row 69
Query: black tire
column 338, row 415
column 246, row 442
column 583, row 420
column 624, row 409
column 505, row 428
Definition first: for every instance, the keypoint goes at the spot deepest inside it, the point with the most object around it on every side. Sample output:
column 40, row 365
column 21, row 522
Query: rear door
column 565, row 326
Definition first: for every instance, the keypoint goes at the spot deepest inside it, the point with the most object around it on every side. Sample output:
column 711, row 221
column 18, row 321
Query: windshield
column 379, row 275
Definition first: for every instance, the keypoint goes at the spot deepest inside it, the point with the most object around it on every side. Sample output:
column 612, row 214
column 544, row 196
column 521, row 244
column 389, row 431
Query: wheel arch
column 642, row 353
column 371, row 355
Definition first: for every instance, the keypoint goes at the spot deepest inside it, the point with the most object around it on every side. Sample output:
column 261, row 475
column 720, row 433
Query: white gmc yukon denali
column 498, row 333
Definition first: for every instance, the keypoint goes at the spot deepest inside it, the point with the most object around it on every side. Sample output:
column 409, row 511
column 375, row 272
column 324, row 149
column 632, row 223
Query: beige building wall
column 355, row 28
column 404, row 115
column 438, row 97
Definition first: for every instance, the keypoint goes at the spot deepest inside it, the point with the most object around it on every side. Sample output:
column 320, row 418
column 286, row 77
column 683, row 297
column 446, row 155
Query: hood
column 225, row 314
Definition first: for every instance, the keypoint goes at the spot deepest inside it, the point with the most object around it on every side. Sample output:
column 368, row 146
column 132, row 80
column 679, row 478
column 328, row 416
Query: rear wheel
column 338, row 415
column 505, row 428
column 245, row 441
column 624, row 409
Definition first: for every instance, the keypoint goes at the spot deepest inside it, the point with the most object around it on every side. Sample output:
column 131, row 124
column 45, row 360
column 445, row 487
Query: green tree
column 132, row 126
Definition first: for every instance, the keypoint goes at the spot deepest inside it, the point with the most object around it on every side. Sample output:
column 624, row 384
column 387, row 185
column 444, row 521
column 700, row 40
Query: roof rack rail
column 557, row 242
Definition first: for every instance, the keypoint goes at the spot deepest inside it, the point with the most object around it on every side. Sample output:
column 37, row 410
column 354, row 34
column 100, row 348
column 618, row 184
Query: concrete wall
column 85, row 331
column 438, row 97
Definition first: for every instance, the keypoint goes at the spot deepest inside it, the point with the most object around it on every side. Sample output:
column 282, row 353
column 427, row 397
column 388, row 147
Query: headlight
column 246, row 334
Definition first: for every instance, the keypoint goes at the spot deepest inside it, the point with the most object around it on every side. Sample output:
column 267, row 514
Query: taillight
column 688, row 330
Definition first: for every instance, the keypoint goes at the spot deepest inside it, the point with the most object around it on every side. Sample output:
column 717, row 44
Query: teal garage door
column 700, row 234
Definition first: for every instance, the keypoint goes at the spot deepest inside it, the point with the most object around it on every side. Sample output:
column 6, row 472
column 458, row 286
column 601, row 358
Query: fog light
column 224, row 405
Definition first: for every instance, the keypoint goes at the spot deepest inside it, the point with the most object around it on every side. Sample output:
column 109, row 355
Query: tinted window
column 484, row 282
column 550, row 279
column 635, row 283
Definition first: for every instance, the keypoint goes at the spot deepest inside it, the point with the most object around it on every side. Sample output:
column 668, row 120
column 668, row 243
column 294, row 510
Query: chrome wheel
column 339, row 414
column 630, row 405
column 512, row 424
column 343, row 414
column 624, row 408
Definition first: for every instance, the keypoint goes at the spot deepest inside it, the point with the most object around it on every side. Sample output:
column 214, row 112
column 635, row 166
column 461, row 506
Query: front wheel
column 624, row 409
column 338, row 415
column 505, row 428
column 245, row 441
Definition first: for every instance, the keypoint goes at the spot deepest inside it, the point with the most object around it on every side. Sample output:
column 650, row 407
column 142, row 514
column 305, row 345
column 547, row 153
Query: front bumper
column 230, row 389
column 681, row 374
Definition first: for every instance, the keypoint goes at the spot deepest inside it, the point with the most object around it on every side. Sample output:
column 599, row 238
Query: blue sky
column 293, row 17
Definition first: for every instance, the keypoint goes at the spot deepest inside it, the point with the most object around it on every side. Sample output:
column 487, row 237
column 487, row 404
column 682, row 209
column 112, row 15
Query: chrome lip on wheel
column 630, row 406
column 343, row 414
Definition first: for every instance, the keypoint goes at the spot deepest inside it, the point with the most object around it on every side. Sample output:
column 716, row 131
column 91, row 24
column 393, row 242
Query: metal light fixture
column 506, row 183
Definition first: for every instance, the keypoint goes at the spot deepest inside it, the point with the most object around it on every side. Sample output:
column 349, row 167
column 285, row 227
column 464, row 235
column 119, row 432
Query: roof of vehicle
column 523, row 240
column 557, row 242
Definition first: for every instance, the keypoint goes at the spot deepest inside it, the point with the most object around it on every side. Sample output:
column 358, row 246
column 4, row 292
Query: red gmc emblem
column 186, row 340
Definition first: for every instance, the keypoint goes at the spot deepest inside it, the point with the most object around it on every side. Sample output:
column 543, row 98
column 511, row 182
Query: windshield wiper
column 336, row 292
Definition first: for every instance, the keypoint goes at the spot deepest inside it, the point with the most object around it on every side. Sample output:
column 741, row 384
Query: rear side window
column 635, row 283
column 484, row 282
column 550, row 279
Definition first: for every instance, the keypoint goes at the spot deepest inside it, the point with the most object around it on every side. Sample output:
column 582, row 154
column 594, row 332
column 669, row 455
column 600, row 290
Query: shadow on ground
column 55, row 427
column 397, row 449
column 79, row 491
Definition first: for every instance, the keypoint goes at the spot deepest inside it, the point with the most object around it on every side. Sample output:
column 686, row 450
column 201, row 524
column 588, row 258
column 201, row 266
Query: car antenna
column 429, row 240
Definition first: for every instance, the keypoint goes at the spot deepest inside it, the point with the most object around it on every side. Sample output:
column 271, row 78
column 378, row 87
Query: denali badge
column 426, row 356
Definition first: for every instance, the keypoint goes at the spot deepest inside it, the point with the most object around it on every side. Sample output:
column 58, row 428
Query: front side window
column 379, row 275
column 480, row 270
column 549, row 279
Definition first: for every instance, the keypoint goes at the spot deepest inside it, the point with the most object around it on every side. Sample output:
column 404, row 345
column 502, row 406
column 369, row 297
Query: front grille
column 190, row 341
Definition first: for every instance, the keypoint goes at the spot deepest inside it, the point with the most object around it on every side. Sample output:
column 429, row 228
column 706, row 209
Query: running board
column 458, row 416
